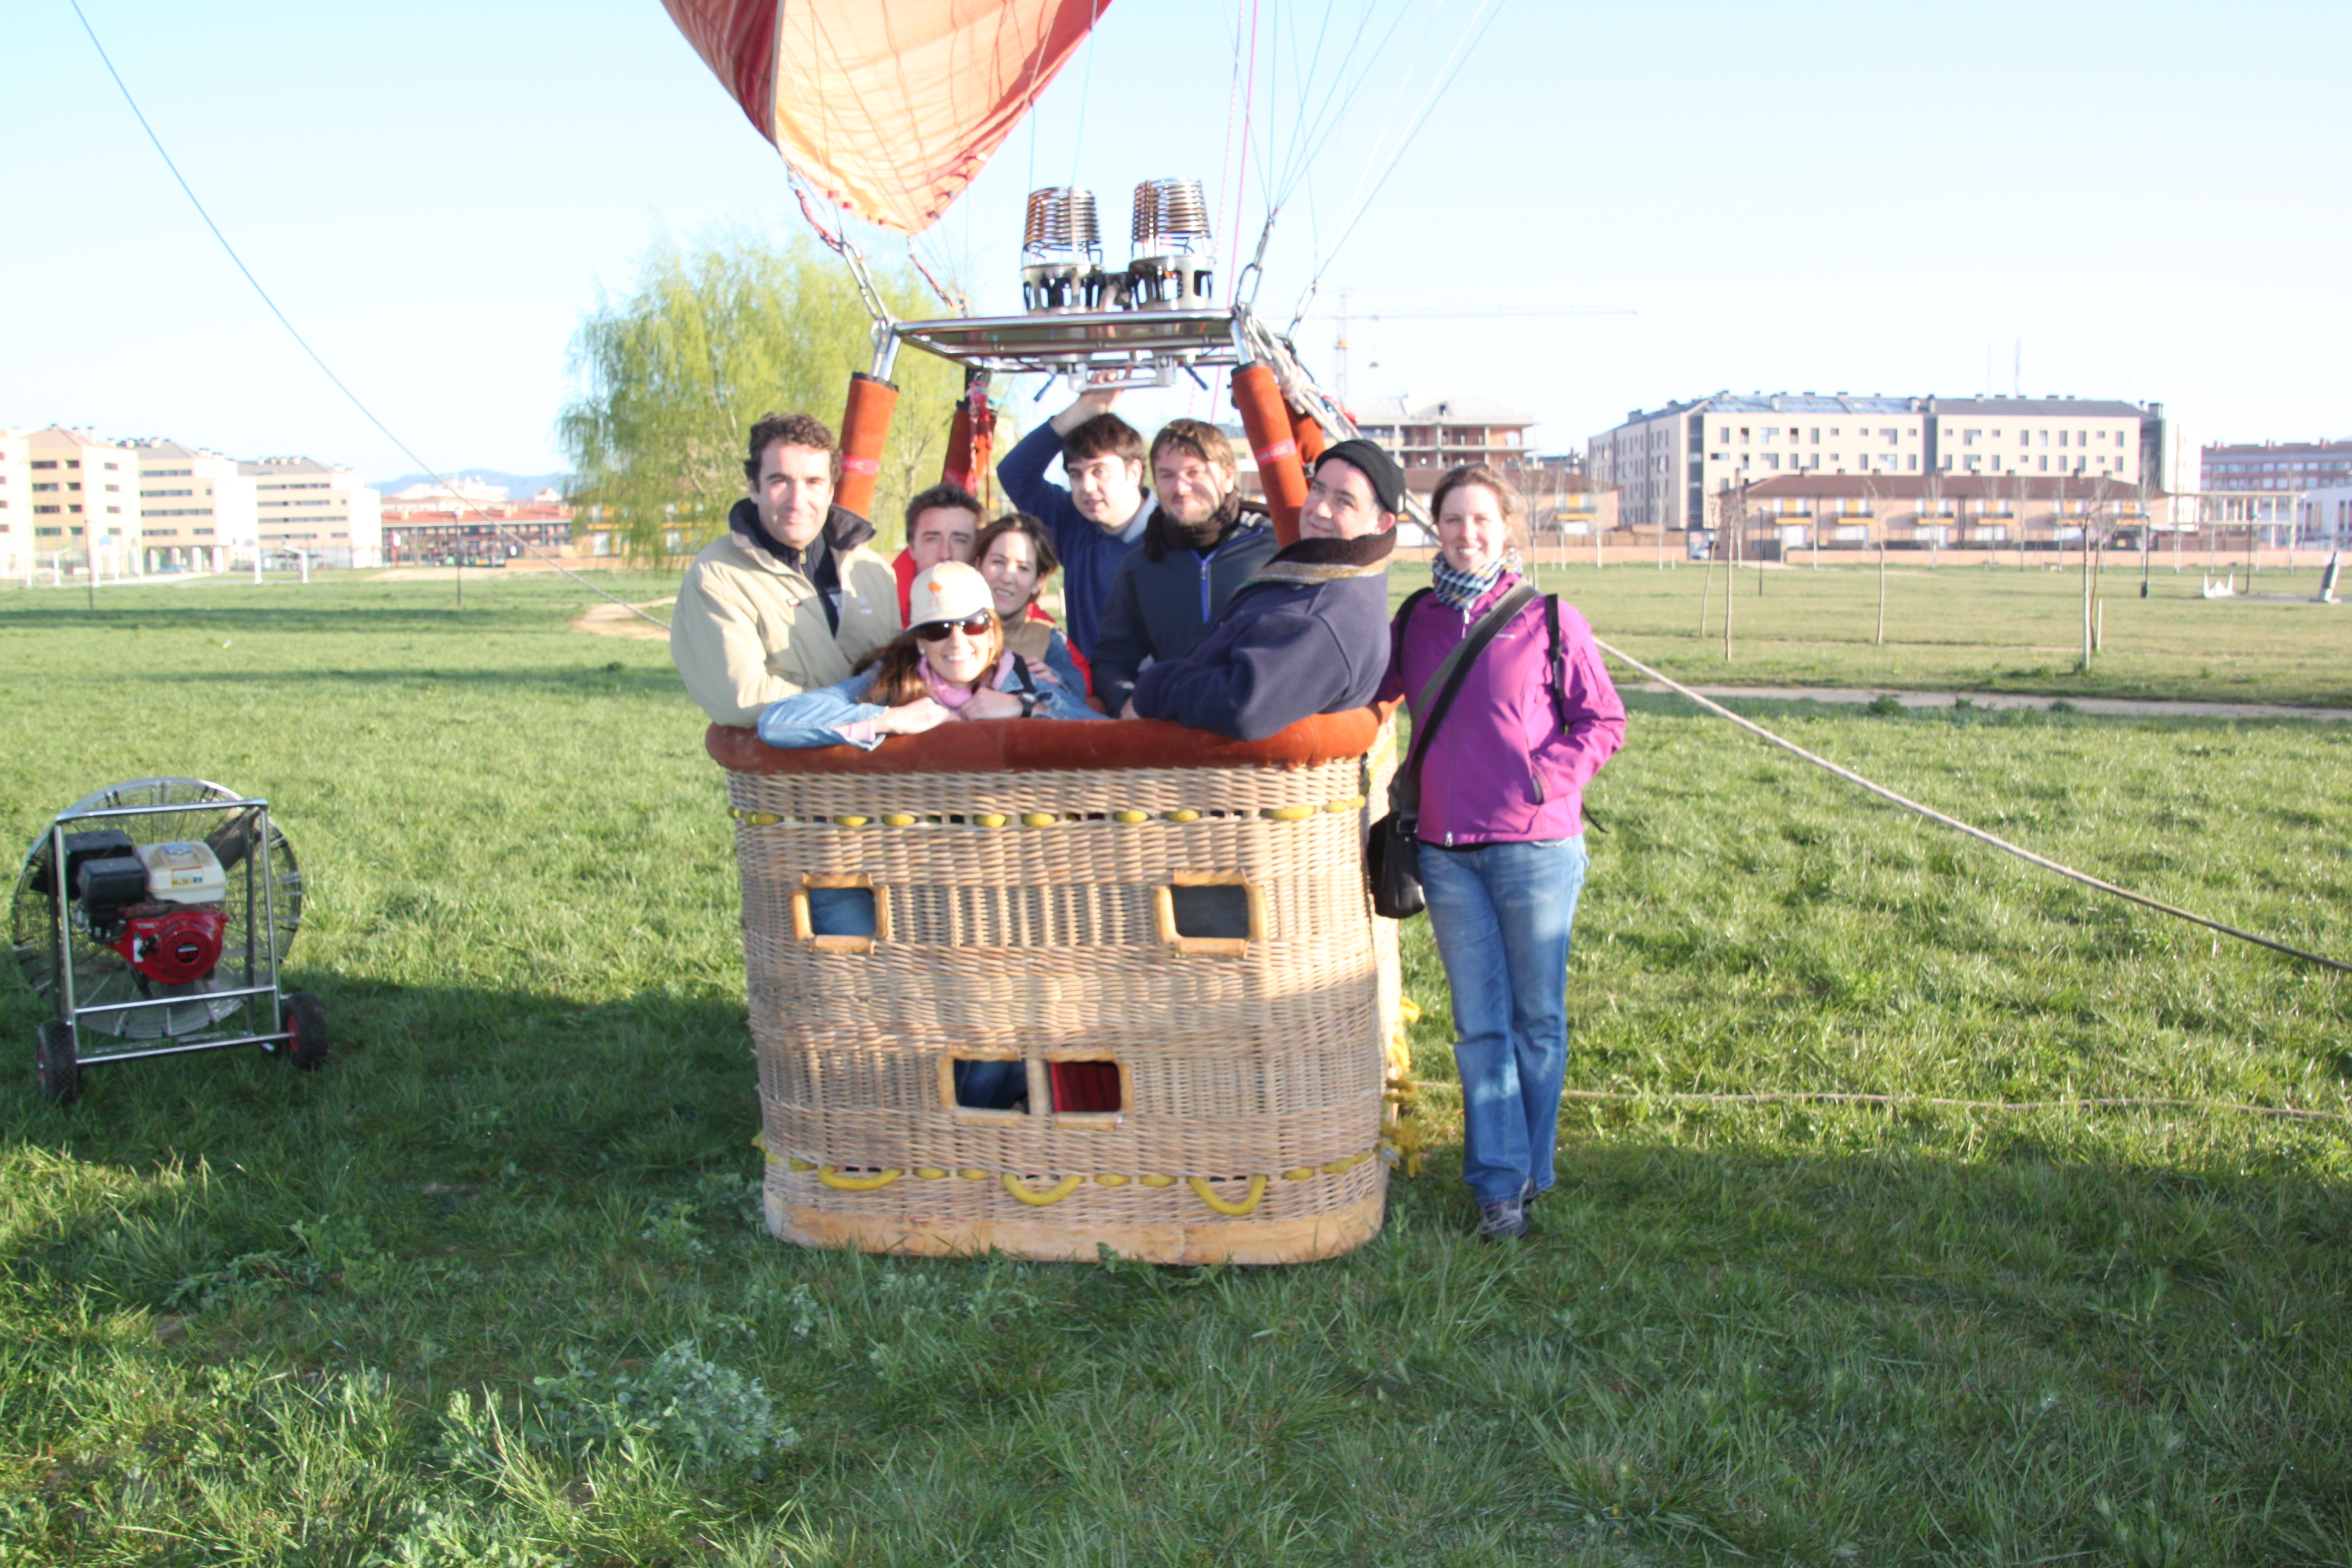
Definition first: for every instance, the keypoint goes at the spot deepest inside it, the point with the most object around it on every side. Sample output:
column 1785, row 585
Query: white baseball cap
column 950, row 591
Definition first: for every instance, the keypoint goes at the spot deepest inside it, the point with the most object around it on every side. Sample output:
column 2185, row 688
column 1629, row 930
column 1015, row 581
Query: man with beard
column 789, row 598
column 1307, row 632
column 1200, row 544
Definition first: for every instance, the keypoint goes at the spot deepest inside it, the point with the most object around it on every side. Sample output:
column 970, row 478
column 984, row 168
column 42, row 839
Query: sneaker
column 1505, row 1219
column 1528, row 1193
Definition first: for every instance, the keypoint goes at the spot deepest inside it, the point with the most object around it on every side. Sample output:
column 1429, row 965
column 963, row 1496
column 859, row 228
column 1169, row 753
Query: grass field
column 489, row 1289
column 1975, row 628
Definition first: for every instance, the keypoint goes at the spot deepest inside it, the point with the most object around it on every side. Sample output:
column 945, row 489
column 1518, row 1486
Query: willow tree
column 671, row 379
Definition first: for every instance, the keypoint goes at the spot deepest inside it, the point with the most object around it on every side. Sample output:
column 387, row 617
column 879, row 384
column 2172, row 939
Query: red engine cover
column 173, row 946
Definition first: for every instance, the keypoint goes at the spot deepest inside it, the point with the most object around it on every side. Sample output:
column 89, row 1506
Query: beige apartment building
column 306, row 507
column 16, row 517
column 1665, row 464
column 80, row 498
column 197, row 510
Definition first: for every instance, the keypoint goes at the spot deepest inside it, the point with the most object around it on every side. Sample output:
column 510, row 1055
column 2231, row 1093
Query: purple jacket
column 1501, row 768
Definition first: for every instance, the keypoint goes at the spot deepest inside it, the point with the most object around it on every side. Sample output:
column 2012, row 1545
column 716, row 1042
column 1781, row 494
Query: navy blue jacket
column 1281, row 653
column 1160, row 610
column 1090, row 557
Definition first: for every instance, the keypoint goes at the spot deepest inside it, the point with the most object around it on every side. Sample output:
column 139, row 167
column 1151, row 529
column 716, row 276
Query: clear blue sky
column 1818, row 197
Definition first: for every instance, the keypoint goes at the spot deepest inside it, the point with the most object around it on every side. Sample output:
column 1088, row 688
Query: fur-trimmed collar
column 1311, row 561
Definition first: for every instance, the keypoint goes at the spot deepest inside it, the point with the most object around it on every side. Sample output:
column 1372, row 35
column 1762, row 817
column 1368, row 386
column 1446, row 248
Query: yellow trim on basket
column 1111, row 1181
column 1257, row 1195
column 840, row 1183
column 1130, row 817
column 1157, row 1181
column 1038, row 819
column 1303, row 1173
column 1351, row 803
column 1054, row 1194
column 899, row 819
column 970, row 1174
column 1182, row 814
column 929, row 1172
column 851, row 821
column 755, row 819
column 989, row 819
column 1286, row 813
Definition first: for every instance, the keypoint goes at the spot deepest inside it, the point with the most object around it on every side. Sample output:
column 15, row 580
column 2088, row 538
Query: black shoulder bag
column 1392, row 861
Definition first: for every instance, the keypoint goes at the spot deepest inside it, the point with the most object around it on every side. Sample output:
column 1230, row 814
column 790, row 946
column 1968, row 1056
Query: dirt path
column 2124, row 706
column 614, row 620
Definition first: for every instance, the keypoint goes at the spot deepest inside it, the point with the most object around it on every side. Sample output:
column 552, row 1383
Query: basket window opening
column 990, row 1083
column 1219, row 911
column 1085, row 1086
column 841, row 911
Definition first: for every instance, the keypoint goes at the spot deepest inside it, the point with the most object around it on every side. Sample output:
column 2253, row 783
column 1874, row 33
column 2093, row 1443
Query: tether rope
column 315, row 358
column 1999, row 843
column 1899, row 1101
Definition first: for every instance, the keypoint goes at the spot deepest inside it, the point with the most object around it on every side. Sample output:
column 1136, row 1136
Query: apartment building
column 316, row 509
column 1665, row 463
column 81, row 494
column 1792, row 512
column 16, row 517
column 196, row 509
column 2274, row 465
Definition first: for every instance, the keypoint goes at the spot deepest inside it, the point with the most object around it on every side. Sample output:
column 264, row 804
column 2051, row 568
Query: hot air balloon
column 1169, row 931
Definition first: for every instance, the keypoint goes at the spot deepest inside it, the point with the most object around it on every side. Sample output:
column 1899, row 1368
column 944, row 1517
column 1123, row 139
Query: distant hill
column 519, row 487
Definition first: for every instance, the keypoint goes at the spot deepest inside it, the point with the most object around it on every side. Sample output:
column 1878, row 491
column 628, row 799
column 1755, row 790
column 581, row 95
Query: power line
column 324, row 368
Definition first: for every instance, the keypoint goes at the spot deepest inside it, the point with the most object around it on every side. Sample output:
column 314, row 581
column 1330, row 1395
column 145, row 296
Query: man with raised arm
column 1100, row 518
column 1201, row 542
column 789, row 598
column 1307, row 633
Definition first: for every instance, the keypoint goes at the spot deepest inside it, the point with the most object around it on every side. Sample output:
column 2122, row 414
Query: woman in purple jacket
column 1502, row 831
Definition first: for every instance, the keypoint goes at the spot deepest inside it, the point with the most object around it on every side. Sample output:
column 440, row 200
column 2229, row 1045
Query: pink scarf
column 951, row 696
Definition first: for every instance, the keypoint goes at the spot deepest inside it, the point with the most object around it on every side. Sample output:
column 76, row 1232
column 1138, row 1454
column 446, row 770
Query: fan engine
column 158, row 905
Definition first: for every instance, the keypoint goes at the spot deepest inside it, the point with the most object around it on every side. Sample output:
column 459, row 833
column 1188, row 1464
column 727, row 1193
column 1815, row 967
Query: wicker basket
column 1025, row 880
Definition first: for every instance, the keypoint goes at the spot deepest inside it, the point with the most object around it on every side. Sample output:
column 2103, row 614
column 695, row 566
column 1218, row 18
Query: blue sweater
column 1281, row 653
column 1090, row 557
column 839, row 715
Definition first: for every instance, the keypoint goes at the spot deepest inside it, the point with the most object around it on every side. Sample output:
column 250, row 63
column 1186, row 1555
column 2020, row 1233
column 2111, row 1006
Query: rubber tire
column 54, row 1062
column 305, row 1017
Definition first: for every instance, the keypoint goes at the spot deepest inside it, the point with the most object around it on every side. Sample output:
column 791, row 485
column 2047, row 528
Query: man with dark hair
column 941, row 524
column 1201, row 542
column 1308, row 632
column 1099, row 519
column 789, row 598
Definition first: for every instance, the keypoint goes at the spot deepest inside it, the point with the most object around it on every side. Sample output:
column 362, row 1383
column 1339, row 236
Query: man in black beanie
column 1308, row 632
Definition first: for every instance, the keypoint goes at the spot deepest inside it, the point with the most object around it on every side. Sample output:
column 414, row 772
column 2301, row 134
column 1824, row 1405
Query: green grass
column 427, row 1305
column 1972, row 628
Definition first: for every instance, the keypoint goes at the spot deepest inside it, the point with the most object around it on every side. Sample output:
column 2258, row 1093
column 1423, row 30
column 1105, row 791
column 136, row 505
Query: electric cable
column 1997, row 842
column 304, row 343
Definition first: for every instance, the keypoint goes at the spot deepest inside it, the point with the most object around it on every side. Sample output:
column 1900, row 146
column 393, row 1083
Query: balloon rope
column 324, row 369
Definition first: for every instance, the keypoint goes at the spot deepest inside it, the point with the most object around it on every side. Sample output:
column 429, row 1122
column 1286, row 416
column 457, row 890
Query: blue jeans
column 1501, row 915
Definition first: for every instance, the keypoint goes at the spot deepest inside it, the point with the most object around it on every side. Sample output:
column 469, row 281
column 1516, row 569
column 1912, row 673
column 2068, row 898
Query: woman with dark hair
column 1501, row 828
column 950, row 663
column 1015, row 554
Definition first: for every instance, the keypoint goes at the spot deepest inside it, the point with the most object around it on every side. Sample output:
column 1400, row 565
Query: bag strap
column 1452, row 672
column 1553, row 672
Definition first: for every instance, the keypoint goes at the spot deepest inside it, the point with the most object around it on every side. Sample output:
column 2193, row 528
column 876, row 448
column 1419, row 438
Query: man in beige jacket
column 789, row 598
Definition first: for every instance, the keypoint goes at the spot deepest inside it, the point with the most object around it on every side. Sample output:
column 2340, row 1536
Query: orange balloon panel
column 889, row 107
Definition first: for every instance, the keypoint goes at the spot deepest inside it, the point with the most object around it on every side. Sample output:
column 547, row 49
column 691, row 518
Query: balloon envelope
column 889, row 107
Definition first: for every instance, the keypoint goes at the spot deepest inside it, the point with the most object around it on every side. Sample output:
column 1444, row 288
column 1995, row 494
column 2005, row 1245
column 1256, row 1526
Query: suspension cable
column 315, row 358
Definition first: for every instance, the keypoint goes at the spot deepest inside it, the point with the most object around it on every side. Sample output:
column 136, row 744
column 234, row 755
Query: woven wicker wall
column 1019, row 917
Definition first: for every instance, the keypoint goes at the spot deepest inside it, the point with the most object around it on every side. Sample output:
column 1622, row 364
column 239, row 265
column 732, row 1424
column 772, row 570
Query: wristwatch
column 1028, row 705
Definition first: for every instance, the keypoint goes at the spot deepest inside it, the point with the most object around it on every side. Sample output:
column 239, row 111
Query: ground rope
column 1999, row 843
column 304, row 342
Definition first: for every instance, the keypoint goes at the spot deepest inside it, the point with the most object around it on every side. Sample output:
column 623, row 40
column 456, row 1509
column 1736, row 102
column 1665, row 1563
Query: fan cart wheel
column 54, row 1061
column 306, row 1030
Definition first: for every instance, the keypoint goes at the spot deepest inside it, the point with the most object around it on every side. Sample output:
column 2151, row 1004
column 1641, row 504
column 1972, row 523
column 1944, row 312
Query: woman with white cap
column 950, row 663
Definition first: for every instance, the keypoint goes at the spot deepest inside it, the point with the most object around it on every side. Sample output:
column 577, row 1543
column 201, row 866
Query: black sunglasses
column 936, row 631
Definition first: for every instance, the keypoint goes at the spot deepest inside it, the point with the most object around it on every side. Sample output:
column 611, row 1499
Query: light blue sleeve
column 1058, row 660
column 822, row 717
column 1057, row 701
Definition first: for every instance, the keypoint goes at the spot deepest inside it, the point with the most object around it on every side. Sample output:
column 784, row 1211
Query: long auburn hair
column 897, row 665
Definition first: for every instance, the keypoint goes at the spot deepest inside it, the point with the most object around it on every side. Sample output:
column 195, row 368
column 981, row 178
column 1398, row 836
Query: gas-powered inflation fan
column 152, row 917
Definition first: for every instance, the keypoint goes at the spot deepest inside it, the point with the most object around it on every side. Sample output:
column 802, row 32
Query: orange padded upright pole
column 971, row 438
column 1307, row 431
column 865, row 424
column 1265, row 417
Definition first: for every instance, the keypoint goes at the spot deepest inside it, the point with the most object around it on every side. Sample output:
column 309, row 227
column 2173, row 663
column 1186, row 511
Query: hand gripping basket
column 1036, row 891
